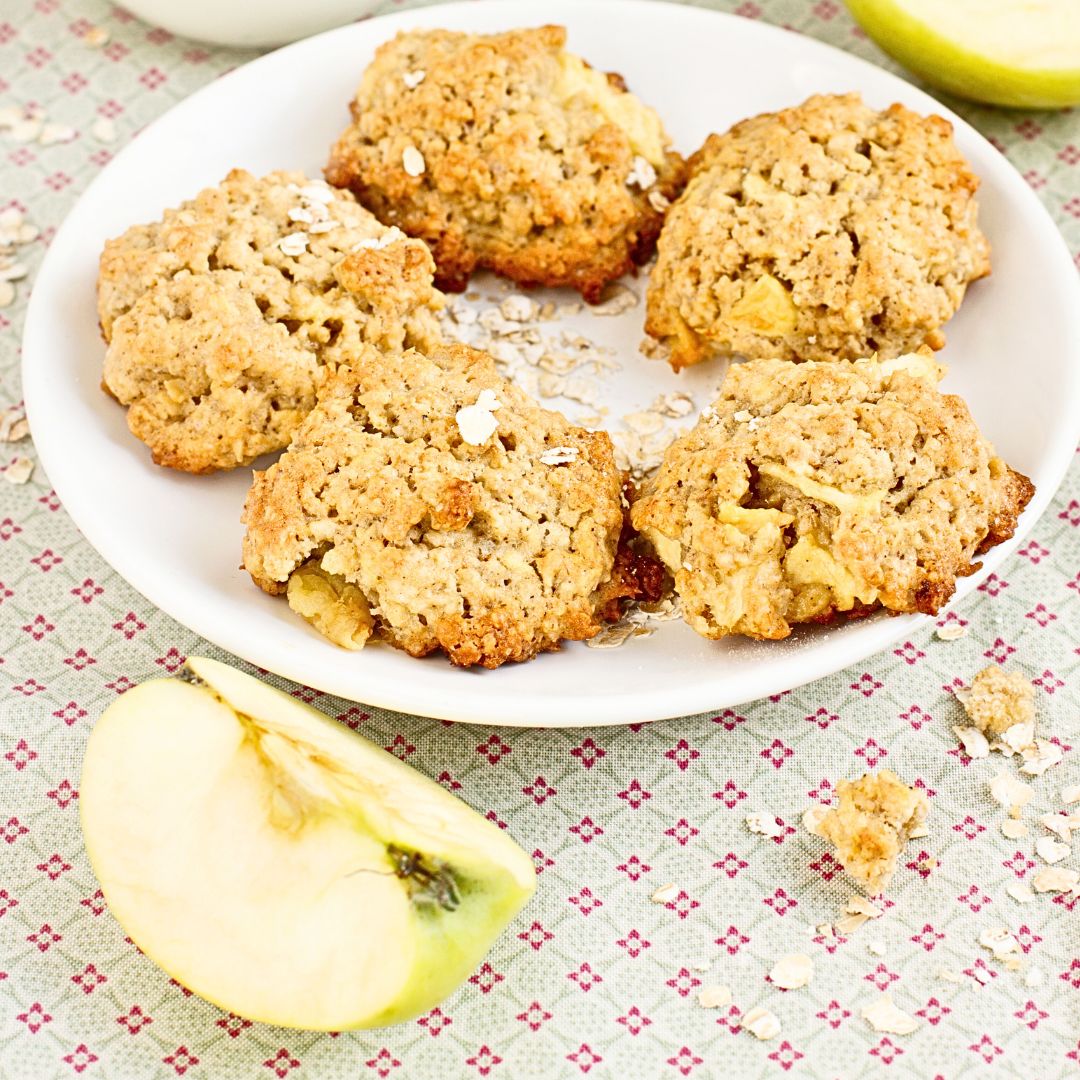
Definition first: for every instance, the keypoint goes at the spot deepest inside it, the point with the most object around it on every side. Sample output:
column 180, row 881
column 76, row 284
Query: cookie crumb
column 617, row 634
column 13, row 424
column 676, row 404
column 870, row 825
column 973, row 741
column 104, row 129
column 1061, row 824
column 997, row 700
column 52, row 134
column 1040, row 756
column 1020, row 892
column 665, row 893
column 714, row 997
column 1012, row 829
column 618, row 298
column 1055, row 879
column 792, row 972
column 377, row 243
column 951, row 631
column 858, row 910
column 812, row 818
column 318, row 191
column 1000, row 941
column 846, row 925
column 14, row 229
column 518, row 308
column 1050, row 850
column 859, row 905
column 884, row 1016
column 26, row 130
column 761, row 1023
column 1011, row 793
column 764, row 824
column 19, row 470
column 96, row 37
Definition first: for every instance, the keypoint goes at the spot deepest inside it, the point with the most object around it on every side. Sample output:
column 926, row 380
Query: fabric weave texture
column 592, row 978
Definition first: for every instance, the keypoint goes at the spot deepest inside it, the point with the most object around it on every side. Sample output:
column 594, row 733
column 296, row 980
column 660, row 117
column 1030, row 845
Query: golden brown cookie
column 221, row 317
column 504, row 151
column 435, row 506
column 811, row 490
column 829, row 230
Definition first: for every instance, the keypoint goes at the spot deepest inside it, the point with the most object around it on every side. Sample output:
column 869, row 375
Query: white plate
column 1013, row 350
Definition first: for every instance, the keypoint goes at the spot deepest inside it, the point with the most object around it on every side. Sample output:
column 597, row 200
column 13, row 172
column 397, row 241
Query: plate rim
column 617, row 706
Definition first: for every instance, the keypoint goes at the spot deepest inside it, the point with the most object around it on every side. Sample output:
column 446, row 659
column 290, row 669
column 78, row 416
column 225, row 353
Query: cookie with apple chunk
column 438, row 506
column 815, row 491
column 506, row 152
column 221, row 317
column 826, row 230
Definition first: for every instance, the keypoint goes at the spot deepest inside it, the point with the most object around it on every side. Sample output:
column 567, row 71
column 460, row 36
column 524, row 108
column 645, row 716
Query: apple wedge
column 1021, row 53
column 282, row 866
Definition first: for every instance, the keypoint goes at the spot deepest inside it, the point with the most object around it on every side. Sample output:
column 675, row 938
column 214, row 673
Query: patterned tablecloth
column 592, row 978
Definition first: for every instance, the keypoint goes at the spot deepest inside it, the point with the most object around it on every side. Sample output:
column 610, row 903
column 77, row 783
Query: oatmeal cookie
column 823, row 231
column 871, row 823
column 221, row 317
column 504, row 151
column 440, row 509
column 809, row 490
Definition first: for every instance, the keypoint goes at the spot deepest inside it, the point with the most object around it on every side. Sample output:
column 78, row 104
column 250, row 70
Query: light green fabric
column 592, row 978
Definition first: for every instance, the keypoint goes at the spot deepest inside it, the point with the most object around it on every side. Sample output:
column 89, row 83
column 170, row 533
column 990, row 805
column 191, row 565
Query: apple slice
column 1022, row 53
column 282, row 866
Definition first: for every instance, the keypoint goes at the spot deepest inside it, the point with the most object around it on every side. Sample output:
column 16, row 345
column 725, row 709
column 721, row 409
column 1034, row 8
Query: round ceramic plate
column 1013, row 353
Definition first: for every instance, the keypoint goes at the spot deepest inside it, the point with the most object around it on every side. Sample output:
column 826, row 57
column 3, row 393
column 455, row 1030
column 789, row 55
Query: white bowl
column 248, row 23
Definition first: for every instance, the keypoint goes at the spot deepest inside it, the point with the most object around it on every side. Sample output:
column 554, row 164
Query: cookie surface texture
column 506, row 152
column 829, row 230
column 421, row 509
column 817, row 490
column 222, row 317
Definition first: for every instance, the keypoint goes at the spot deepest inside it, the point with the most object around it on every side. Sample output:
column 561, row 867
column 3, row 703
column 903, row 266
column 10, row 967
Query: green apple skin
column 947, row 65
column 241, row 839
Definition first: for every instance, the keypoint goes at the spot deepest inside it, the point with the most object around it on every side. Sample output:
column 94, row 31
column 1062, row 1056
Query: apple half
column 1020, row 53
column 280, row 865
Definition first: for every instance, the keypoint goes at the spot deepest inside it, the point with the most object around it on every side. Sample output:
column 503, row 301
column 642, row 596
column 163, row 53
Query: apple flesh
column 1020, row 53
column 280, row 865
